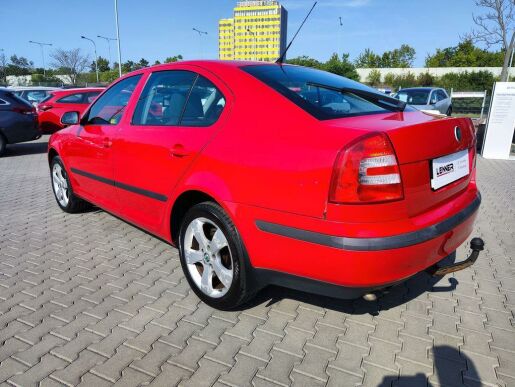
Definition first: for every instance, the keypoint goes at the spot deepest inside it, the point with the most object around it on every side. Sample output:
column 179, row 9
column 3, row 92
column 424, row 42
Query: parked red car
column 51, row 109
column 273, row 174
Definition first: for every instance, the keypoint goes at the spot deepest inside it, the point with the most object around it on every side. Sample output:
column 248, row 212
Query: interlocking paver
column 87, row 299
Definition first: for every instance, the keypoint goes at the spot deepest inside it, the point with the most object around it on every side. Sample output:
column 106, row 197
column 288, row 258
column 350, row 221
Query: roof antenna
column 280, row 60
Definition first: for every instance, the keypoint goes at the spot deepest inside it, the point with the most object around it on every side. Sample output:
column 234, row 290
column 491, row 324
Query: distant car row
column 27, row 113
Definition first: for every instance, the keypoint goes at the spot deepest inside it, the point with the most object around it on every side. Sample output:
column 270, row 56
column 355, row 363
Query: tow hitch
column 476, row 244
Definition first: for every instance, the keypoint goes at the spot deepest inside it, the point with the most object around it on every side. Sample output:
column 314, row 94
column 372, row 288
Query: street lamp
column 96, row 57
column 341, row 34
column 254, row 37
column 108, row 40
column 118, row 37
column 200, row 33
column 41, row 45
column 511, row 63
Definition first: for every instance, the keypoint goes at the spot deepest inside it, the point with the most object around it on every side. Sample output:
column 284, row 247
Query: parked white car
column 426, row 98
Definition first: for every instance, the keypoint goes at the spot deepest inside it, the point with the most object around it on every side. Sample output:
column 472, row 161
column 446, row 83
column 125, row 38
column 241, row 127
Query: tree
column 494, row 28
column 374, row 78
column 343, row 66
column 103, row 65
column 368, row 59
column 305, row 61
column 171, row 59
column 19, row 65
column 128, row 66
column 142, row 63
column 157, row 63
column 399, row 57
column 465, row 54
column 70, row 63
column 3, row 67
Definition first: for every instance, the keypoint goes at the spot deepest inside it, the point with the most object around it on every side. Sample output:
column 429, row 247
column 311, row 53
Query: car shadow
column 26, row 148
column 386, row 299
column 450, row 367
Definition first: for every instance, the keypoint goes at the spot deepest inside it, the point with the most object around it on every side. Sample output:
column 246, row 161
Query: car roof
column 420, row 88
column 77, row 90
column 34, row 88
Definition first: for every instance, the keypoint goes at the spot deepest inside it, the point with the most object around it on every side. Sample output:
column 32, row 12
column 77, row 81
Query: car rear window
column 303, row 86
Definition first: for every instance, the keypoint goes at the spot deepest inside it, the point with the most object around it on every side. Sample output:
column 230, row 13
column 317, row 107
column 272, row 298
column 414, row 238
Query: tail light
column 44, row 108
column 24, row 110
column 366, row 171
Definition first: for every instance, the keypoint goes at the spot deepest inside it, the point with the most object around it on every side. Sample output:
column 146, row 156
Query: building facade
column 257, row 31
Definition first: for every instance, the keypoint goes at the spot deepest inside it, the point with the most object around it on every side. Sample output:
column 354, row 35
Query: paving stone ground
column 90, row 300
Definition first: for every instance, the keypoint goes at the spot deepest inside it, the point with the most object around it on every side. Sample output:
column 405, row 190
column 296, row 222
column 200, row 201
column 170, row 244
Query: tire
column 449, row 111
column 3, row 144
column 208, row 240
column 63, row 193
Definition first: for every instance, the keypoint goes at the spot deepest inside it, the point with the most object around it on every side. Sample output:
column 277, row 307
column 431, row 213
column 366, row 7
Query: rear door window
column 72, row 98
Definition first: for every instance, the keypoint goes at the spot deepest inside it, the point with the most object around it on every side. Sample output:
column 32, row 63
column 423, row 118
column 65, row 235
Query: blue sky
column 155, row 29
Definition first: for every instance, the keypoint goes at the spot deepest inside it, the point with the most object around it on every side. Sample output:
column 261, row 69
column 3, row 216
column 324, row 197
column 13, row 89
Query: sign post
column 501, row 122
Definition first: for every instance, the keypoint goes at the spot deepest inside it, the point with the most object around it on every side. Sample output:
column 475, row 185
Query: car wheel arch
column 51, row 154
column 181, row 205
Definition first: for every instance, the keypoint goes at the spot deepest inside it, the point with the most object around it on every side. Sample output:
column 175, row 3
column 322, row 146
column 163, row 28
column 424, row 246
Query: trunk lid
column 419, row 138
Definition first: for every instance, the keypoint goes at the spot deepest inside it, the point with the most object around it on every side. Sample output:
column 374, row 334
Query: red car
column 264, row 174
column 51, row 109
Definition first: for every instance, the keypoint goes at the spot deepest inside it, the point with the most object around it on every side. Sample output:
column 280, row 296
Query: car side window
column 36, row 96
column 72, row 98
column 205, row 104
column 90, row 97
column 441, row 95
column 108, row 109
column 163, row 98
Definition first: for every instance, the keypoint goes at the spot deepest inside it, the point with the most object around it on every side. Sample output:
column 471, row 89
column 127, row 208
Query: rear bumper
column 374, row 244
column 362, row 263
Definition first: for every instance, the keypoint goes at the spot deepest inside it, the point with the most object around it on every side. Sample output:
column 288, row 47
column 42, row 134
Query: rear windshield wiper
column 383, row 101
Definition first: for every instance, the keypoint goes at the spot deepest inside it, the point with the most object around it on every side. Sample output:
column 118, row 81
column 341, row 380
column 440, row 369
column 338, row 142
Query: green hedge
column 466, row 81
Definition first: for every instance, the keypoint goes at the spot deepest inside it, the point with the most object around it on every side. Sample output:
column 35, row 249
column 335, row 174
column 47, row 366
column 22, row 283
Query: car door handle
column 178, row 150
column 107, row 143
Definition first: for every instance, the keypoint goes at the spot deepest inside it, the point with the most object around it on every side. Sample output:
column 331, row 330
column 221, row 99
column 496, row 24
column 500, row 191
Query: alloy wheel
column 208, row 257
column 61, row 190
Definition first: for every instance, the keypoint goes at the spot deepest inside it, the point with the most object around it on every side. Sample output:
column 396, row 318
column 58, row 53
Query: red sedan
column 51, row 109
column 273, row 174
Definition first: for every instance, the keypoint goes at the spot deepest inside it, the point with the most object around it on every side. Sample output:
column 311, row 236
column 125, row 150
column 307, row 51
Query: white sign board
column 468, row 94
column 501, row 122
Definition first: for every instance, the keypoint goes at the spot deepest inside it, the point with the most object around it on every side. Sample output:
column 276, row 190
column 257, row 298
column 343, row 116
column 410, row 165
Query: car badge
column 457, row 133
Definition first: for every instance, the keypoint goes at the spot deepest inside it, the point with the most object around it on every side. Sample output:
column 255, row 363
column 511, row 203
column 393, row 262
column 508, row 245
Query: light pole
column 341, row 35
column 41, row 45
column 96, row 57
column 200, row 33
column 511, row 63
column 118, row 37
column 254, row 38
column 108, row 40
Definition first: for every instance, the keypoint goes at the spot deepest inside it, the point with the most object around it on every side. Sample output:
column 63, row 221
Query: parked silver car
column 426, row 98
column 33, row 94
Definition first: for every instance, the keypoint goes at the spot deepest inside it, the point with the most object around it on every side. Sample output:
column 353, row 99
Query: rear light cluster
column 44, row 108
column 24, row 110
column 366, row 171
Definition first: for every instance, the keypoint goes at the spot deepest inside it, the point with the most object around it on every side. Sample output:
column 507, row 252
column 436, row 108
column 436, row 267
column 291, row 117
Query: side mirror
column 433, row 101
column 70, row 118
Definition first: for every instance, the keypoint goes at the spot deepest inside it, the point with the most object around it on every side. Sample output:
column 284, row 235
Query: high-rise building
column 257, row 31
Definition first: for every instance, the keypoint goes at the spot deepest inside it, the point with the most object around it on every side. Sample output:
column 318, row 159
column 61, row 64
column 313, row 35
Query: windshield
column 413, row 97
column 314, row 91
